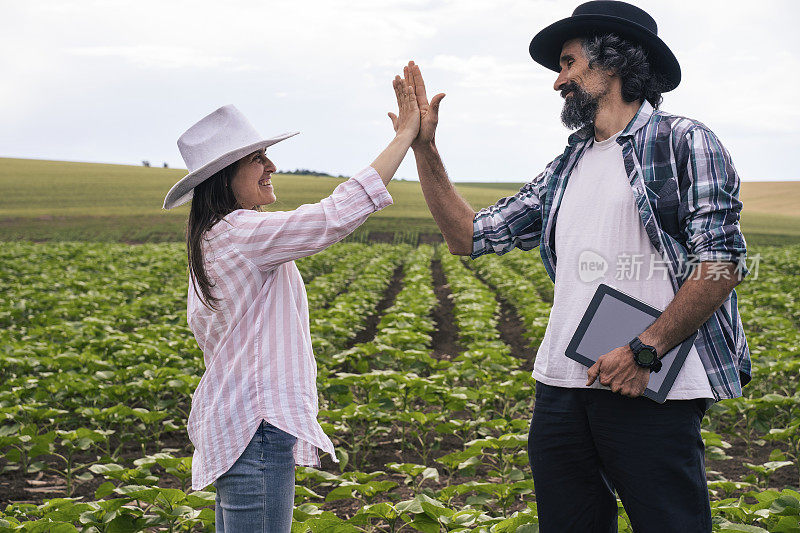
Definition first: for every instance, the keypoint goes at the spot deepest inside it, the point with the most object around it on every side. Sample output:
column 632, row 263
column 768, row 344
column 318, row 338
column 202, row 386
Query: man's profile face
column 581, row 87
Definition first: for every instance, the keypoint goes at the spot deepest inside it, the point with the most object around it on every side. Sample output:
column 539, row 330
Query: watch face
column 646, row 356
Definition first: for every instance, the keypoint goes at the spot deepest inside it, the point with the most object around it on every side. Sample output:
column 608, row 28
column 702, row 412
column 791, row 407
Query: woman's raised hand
column 406, row 122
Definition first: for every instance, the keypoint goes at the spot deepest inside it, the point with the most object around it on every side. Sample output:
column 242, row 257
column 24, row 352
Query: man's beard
column 580, row 109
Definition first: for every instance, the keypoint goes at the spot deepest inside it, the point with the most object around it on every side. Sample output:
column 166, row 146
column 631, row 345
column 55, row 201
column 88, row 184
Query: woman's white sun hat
column 216, row 141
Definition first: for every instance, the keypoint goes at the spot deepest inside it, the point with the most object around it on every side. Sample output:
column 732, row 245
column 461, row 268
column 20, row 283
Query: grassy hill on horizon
column 56, row 200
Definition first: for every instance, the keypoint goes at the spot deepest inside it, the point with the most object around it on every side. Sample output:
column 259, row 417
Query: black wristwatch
column 645, row 355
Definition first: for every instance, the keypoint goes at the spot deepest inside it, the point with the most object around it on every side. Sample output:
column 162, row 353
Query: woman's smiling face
column 252, row 183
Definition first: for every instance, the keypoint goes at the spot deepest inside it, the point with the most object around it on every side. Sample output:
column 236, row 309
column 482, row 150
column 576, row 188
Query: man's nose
column 270, row 166
column 560, row 81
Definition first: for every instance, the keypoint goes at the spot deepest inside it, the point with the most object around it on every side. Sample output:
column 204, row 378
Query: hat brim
column 545, row 48
column 182, row 192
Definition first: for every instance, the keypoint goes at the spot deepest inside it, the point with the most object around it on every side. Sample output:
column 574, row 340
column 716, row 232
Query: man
column 633, row 182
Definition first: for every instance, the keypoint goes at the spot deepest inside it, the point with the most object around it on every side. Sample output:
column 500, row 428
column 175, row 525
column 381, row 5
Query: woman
column 254, row 411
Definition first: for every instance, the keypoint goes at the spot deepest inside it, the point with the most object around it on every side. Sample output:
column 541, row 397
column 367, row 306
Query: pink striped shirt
column 257, row 346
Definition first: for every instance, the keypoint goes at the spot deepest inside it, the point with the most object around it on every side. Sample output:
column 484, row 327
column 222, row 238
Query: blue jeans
column 257, row 493
column 586, row 443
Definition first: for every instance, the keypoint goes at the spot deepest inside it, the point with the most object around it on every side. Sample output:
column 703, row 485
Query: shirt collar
column 641, row 118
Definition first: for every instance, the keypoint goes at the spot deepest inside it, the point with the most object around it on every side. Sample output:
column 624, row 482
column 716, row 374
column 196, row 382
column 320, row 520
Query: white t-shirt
column 600, row 238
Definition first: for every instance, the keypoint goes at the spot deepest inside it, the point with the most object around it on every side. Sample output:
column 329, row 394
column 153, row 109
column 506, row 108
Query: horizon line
column 468, row 180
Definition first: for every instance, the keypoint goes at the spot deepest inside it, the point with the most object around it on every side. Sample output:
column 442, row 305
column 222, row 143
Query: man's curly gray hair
column 629, row 60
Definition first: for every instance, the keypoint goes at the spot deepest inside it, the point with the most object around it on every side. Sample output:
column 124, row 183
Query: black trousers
column 586, row 443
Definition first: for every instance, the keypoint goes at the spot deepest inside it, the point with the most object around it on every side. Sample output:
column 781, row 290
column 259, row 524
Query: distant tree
column 145, row 163
column 166, row 165
column 307, row 172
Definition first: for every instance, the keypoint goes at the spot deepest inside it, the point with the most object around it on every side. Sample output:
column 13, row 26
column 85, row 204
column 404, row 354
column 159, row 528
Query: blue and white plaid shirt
column 687, row 193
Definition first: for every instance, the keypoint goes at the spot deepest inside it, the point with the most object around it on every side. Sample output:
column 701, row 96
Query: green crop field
column 54, row 200
column 424, row 366
column 424, row 386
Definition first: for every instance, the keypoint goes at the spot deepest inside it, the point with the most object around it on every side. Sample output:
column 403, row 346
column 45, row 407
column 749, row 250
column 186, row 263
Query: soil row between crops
column 511, row 328
column 371, row 323
column 444, row 339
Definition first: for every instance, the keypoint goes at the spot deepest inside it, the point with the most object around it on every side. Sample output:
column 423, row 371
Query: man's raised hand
column 429, row 112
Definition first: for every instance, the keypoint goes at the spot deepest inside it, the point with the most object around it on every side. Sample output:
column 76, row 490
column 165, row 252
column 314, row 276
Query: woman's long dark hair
column 211, row 201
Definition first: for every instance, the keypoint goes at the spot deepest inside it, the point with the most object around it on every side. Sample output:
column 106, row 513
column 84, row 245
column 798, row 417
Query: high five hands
column 414, row 124
column 428, row 112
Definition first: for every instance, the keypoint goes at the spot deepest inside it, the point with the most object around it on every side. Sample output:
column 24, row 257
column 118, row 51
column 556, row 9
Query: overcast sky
column 118, row 81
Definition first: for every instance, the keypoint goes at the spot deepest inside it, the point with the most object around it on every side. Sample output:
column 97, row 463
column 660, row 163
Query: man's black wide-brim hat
column 607, row 16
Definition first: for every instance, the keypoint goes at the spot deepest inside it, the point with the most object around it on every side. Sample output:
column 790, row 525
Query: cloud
column 72, row 68
column 502, row 79
column 163, row 57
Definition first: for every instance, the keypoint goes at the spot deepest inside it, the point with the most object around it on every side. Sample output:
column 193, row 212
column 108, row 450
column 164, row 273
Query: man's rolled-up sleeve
column 514, row 221
column 711, row 210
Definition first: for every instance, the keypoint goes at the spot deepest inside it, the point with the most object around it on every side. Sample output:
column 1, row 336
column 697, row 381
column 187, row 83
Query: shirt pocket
column 664, row 198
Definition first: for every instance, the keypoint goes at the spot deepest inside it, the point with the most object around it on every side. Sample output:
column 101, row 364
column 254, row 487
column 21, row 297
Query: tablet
column 613, row 319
